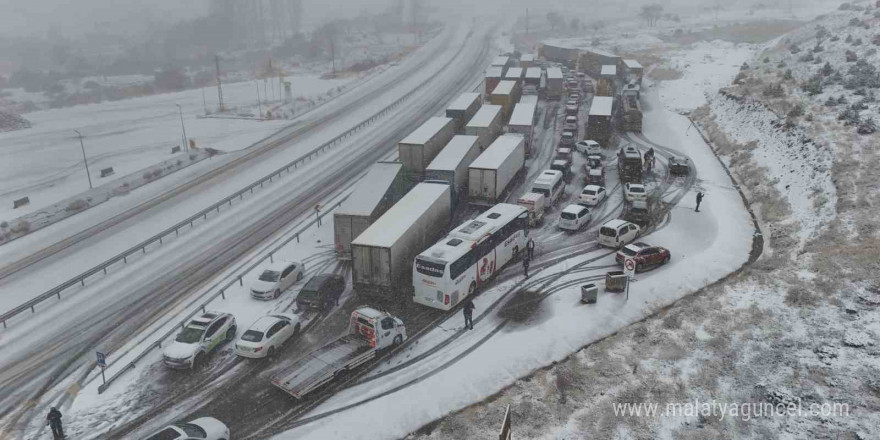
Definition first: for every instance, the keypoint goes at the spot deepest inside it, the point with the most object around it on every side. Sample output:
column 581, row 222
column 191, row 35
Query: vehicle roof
column 371, row 189
column 609, row 69
column 592, row 187
column 388, row 228
column 615, row 223
column 635, row 247
column 460, row 240
column 547, row 177
column 485, row 115
column 204, row 319
column 498, row 151
column 280, row 265
column 601, row 106
column 504, row 87
column 494, row 72
column 560, row 162
column 321, row 278
column 450, row 157
column 635, row 185
column 523, row 114
column 531, row 196
column 514, row 72
column 554, row 73
column 500, row 60
column 533, row 72
column 590, row 142
column 632, row 64
column 427, row 130
column 528, row 99
column 464, row 101
column 263, row 323
column 595, row 172
column 369, row 312
column 574, row 208
column 527, row 57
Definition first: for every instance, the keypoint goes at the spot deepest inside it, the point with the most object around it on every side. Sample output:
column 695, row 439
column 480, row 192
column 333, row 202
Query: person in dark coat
column 468, row 310
column 526, row 266
column 530, row 246
column 54, row 421
column 699, row 199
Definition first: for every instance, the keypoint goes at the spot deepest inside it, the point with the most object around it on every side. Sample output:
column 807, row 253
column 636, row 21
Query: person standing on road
column 530, row 247
column 699, row 200
column 526, row 267
column 54, row 422
column 468, row 314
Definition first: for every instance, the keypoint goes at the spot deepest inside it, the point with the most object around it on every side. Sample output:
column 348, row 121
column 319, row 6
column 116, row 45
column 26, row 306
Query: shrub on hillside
column 794, row 48
column 867, row 127
column 774, row 91
column 807, row 57
column 830, row 102
column 826, row 70
column 813, row 86
column 787, row 74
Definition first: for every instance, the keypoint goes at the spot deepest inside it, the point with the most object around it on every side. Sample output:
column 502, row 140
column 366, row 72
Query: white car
column 567, row 138
column 267, row 335
column 593, row 195
column 205, row 428
column 617, row 233
column 198, row 338
column 275, row 279
column 634, row 191
column 574, row 217
column 588, row 148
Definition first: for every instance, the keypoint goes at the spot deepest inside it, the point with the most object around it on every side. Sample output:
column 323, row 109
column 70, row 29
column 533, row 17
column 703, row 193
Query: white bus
column 469, row 256
column 550, row 184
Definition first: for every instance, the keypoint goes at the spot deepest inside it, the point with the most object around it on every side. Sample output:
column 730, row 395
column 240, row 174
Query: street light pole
column 83, row 148
column 185, row 140
column 259, row 102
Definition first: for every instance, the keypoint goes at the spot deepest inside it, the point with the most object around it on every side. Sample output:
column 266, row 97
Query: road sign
column 505, row 426
column 629, row 267
column 102, row 359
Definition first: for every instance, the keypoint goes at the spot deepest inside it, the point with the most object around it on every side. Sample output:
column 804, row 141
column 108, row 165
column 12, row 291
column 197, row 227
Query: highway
column 133, row 301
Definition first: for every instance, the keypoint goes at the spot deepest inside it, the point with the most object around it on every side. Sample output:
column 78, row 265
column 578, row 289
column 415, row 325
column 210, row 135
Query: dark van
column 321, row 292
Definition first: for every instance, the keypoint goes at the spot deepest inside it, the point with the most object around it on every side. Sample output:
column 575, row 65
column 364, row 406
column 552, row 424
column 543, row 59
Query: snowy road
column 139, row 294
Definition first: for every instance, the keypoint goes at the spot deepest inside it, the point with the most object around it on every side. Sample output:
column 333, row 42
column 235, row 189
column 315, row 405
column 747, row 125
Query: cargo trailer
column 418, row 149
column 514, row 74
column 493, row 77
column 533, row 76
column 506, row 94
column 527, row 60
column 528, row 99
column 555, row 85
column 383, row 185
column 382, row 255
column 522, row 121
column 632, row 71
column 463, row 109
column 501, row 61
column 599, row 127
column 486, row 124
column 451, row 165
column 607, row 81
column 491, row 173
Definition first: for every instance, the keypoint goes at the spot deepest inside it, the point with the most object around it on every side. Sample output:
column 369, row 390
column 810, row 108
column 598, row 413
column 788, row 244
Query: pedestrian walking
column 469, row 314
column 699, row 199
column 54, row 422
column 530, row 247
column 526, row 266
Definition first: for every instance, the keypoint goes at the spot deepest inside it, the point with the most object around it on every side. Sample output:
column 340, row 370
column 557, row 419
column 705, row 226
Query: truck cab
column 380, row 328
column 534, row 204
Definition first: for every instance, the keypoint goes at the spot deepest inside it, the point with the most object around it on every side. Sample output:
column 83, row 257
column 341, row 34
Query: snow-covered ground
column 45, row 162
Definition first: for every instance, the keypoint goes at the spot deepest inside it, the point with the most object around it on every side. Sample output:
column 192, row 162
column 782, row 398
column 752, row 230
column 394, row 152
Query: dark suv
column 321, row 292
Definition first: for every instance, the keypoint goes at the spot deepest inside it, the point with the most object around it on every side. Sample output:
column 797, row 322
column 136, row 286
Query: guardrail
column 141, row 247
column 221, row 292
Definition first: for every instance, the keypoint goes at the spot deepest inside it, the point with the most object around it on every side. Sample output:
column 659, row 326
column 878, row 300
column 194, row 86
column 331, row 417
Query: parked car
column 593, row 195
column 321, row 292
column 679, row 166
column 574, row 217
column 276, row 278
column 201, row 336
column 617, row 233
column 267, row 334
column 204, row 428
column 644, row 254
column 588, row 148
column 567, row 139
column 634, row 191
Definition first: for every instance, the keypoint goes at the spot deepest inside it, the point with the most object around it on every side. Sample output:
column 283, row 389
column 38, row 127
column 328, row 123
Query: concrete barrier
column 107, row 172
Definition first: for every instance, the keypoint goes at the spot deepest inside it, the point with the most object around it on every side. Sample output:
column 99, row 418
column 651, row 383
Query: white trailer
column 514, row 74
column 522, row 121
column 555, row 87
column 463, row 109
column 382, row 255
column 491, row 173
column 533, row 76
column 501, row 61
column 369, row 330
column 451, row 165
column 418, row 149
column 486, row 124
column 528, row 99
column 383, row 185
column 506, row 94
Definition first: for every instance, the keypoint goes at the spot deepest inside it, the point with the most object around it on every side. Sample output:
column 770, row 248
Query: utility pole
column 204, row 101
column 185, row 140
column 259, row 102
column 86, row 161
column 219, row 87
column 527, row 21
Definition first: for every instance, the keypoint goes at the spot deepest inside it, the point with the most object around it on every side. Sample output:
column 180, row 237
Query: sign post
column 505, row 426
column 102, row 362
column 318, row 214
column 629, row 268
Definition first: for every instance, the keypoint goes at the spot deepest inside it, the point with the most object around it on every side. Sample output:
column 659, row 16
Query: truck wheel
column 397, row 341
column 277, row 293
column 666, row 260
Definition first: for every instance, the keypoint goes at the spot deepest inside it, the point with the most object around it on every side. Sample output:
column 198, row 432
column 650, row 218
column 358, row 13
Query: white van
column 534, row 203
column 550, row 184
column 574, row 217
column 617, row 233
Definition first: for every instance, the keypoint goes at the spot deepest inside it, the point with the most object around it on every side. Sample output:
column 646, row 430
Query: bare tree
column 651, row 13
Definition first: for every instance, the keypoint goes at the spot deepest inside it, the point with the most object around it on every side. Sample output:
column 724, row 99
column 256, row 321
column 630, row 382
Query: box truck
column 451, row 165
column 486, row 124
column 522, row 121
column 463, row 109
column 491, row 173
column 418, row 149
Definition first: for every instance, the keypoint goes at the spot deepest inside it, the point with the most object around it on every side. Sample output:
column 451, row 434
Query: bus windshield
column 542, row 191
column 430, row 268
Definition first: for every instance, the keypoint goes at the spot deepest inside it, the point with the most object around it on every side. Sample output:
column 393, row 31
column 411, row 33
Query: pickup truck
column 369, row 330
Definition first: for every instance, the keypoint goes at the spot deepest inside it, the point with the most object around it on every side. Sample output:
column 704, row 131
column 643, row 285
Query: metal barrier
column 21, row 202
column 141, row 247
column 221, row 292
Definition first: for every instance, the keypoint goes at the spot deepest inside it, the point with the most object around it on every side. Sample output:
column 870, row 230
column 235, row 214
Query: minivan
column 617, row 233
column 574, row 217
column 321, row 292
column 550, row 185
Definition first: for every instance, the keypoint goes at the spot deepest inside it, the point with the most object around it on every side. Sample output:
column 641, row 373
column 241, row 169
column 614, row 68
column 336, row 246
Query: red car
column 644, row 254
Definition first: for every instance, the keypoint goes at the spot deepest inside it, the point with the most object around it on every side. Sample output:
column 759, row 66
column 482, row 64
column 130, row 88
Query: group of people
column 468, row 308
